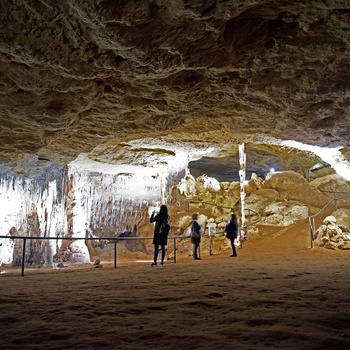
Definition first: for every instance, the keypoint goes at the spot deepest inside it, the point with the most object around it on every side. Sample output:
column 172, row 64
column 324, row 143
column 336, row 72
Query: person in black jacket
column 159, row 238
column 195, row 236
column 232, row 232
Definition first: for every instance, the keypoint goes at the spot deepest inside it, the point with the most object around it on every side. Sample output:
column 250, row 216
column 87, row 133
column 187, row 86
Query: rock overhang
column 76, row 74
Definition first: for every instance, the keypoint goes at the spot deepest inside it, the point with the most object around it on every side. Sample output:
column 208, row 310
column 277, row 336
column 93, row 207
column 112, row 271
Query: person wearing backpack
column 232, row 232
column 160, row 233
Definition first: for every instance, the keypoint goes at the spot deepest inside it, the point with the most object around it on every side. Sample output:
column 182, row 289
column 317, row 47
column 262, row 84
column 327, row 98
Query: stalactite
column 75, row 202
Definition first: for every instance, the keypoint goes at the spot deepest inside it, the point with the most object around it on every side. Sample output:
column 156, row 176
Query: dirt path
column 277, row 294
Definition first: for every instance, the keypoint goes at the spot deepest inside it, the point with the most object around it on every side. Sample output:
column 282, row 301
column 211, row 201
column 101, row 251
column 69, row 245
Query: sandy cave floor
column 277, row 294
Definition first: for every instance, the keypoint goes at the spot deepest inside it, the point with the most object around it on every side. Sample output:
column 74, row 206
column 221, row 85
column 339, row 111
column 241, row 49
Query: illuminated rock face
column 92, row 199
column 130, row 83
column 76, row 73
column 32, row 207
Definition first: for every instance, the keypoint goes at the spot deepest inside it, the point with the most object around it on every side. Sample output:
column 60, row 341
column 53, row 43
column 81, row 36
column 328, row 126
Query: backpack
column 164, row 228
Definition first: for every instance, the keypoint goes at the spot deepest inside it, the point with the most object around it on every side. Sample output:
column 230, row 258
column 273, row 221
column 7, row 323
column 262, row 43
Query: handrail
column 221, row 206
column 343, row 192
column 312, row 217
column 203, row 202
column 113, row 239
column 255, row 222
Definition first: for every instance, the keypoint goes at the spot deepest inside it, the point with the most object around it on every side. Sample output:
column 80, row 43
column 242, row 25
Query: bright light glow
column 114, row 189
column 272, row 170
column 27, row 197
column 330, row 155
column 130, row 180
column 107, row 185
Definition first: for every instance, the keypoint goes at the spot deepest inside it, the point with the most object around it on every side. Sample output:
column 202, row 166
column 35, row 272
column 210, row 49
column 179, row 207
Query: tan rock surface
column 292, row 186
column 331, row 183
column 76, row 73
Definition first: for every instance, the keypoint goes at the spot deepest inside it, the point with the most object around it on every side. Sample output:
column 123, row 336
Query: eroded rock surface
column 76, row 73
column 334, row 233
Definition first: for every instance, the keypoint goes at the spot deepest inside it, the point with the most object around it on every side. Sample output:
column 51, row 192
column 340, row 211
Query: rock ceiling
column 77, row 73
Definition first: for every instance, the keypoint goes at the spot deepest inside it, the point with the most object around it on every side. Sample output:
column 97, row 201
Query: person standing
column 232, row 232
column 160, row 235
column 195, row 236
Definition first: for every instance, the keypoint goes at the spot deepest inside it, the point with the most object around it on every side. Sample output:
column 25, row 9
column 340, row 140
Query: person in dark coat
column 232, row 232
column 195, row 236
column 159, row 239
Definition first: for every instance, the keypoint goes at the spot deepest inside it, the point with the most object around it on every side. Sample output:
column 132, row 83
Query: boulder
column 260, row 199
column 97, row 264
column 331, row 183
column 204, row 183
column 253, row 184
column 293, row 186
column 329, row 220
column 342, row 217
column 320, row 172
column 344, row 245
column 283, row 214
column 330, row 236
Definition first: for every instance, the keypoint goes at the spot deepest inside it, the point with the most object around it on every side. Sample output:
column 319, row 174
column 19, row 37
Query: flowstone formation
column 93, row 199
column 104, row 104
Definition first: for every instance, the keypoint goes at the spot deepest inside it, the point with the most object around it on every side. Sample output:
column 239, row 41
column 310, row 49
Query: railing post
column 115, row 253
column 312, row 229
column 174, row 250
column 335, row 200
column 23, row 255
column 240, row 237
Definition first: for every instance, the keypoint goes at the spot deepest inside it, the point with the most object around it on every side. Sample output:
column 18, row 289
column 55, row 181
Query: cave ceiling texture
column 76, row 74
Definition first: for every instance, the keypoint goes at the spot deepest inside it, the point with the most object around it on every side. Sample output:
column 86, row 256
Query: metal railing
column 249, row 218
column 115, row 241
column 336, row 197
column 224, row 207
column 185, row 206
